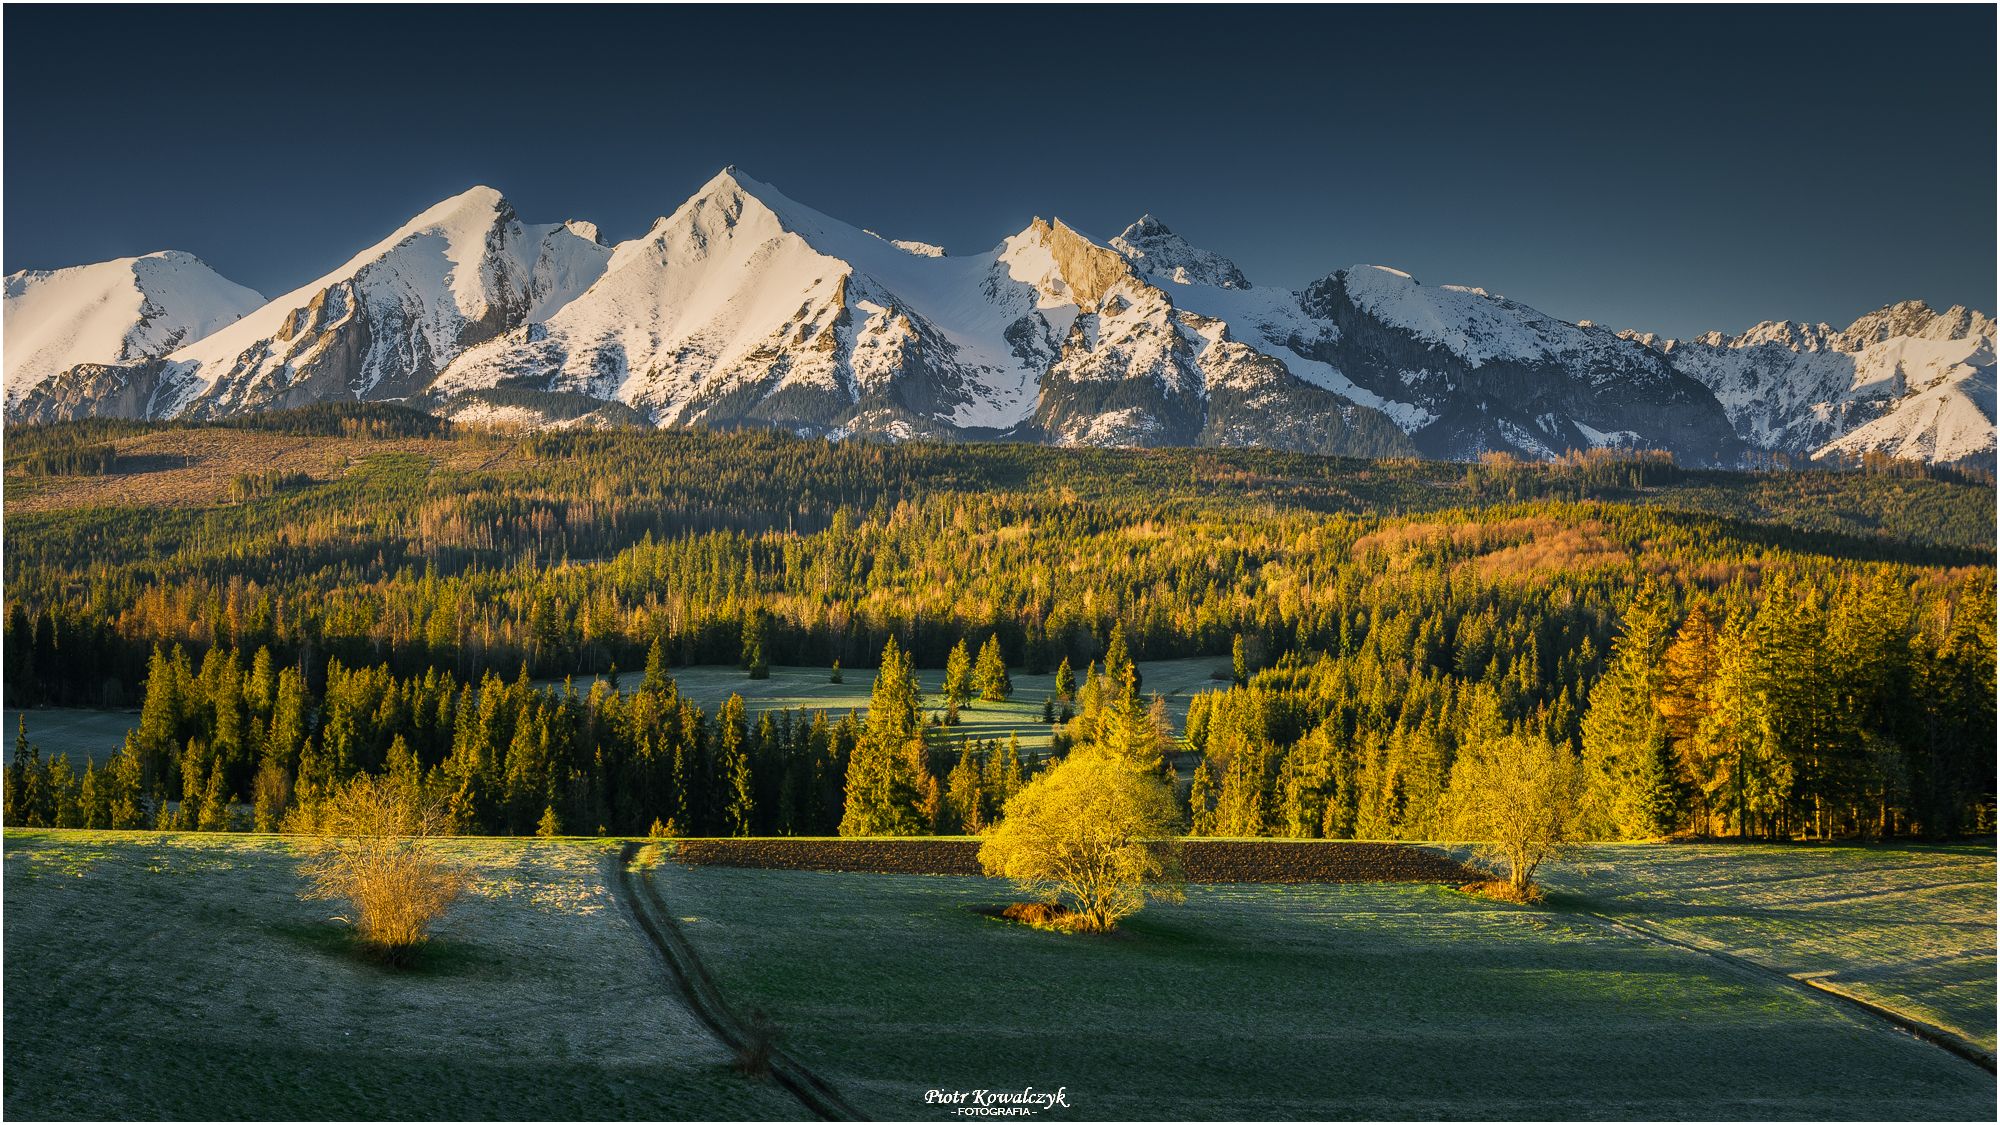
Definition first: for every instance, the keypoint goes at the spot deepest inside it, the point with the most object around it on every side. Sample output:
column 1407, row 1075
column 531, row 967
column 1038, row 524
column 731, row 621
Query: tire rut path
column 642, row 901
column 1810, row 984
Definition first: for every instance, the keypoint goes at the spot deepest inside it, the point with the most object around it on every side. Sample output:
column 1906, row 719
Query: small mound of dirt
column 1503, row 891
column 1041, row 915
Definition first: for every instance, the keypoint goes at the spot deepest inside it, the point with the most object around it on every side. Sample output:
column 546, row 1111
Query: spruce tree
column 655, row 680
column 889, row 788
column 958, row 676
column 964, row 795
column 1629, row 785
column 989, row 677
column 733, row 767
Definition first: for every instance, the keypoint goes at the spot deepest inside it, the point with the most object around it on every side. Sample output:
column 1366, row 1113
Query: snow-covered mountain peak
column 1472, row 323
column 1795, row 335
column 1155, row 250
column 744, row 307
column 1904, row 318
column 1904, row 379
column 1915, row 319
column 122, row 311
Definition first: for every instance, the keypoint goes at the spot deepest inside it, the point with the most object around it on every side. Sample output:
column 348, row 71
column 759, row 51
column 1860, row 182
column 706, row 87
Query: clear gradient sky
column 1666, row 169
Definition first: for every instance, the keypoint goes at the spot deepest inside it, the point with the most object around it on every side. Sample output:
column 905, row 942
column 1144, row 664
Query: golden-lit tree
column 1519, row 796
column 1094, row 835
column 369, row 844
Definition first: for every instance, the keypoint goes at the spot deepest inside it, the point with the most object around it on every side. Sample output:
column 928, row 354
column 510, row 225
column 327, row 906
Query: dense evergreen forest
column 1793, row 653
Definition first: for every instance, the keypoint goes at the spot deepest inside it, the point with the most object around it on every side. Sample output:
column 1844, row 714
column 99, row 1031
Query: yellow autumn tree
column 1094, row 835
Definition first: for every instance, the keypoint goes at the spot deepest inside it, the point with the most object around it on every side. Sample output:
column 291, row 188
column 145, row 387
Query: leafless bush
column 368, row 846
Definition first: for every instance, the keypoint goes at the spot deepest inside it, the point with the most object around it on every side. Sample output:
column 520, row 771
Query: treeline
column 1791, row 708
column 1049, row 576
column 505, row 757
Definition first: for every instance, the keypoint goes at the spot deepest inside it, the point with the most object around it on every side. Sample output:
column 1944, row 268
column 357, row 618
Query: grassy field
column 84, row 735
column 794, row 687
column 1361, row 1001
column 1908, row 927
column 179, row 976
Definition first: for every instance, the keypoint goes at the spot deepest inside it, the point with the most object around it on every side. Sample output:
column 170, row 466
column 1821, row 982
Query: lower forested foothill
column 1803, row 654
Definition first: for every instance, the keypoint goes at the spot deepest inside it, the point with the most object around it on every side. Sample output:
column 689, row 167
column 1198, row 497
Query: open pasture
column 179, row 976
column 1909, row 927
column 1377, row 1001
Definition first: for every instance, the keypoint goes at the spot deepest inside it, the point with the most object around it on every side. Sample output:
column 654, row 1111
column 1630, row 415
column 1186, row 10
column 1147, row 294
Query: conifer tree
column 989, row 677
column 655, row 680
column 889, row 788
column 215, row 801
column 733, row 767
column 1201, row 801
column 1002, row 777
column 1066, row 681
column 964, row 795
column 957, row 688
column 1629, row 784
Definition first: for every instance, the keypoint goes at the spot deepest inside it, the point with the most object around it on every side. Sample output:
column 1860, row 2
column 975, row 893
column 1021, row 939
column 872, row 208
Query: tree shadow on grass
column 438, row 957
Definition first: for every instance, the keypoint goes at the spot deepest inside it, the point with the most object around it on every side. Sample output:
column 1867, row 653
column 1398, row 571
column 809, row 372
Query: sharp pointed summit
column 742, row 306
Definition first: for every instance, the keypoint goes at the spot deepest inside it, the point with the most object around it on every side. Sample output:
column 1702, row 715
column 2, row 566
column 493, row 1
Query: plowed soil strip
column 1206, row 861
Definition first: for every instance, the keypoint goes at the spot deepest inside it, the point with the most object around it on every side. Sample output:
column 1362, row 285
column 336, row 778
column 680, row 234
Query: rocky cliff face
column 1904, row 380
column 745, row 308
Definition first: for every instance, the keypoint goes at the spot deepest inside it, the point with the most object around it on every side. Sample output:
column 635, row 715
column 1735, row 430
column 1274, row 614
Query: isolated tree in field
column 1519, row 796
column 755, row 629
column 1239, row 662
column 989, row 677
column 370, row 845
column 890, row 790
column 1066, row 681
column 958, row 676
column 1094, row 835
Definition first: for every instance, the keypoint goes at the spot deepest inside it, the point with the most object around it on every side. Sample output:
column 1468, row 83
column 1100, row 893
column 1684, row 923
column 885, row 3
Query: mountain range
column 745, row 308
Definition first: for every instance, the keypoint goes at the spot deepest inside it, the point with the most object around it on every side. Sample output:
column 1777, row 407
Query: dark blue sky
column 1668, row 169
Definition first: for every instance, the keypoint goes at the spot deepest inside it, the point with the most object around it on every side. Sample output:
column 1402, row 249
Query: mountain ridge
column 744, row 307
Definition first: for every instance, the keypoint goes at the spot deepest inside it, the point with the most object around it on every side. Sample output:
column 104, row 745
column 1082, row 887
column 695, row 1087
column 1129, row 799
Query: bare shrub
column 1519, row 795
column 368, row 846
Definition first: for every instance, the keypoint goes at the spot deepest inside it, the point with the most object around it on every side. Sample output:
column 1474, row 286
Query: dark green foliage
column 1381, row 614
